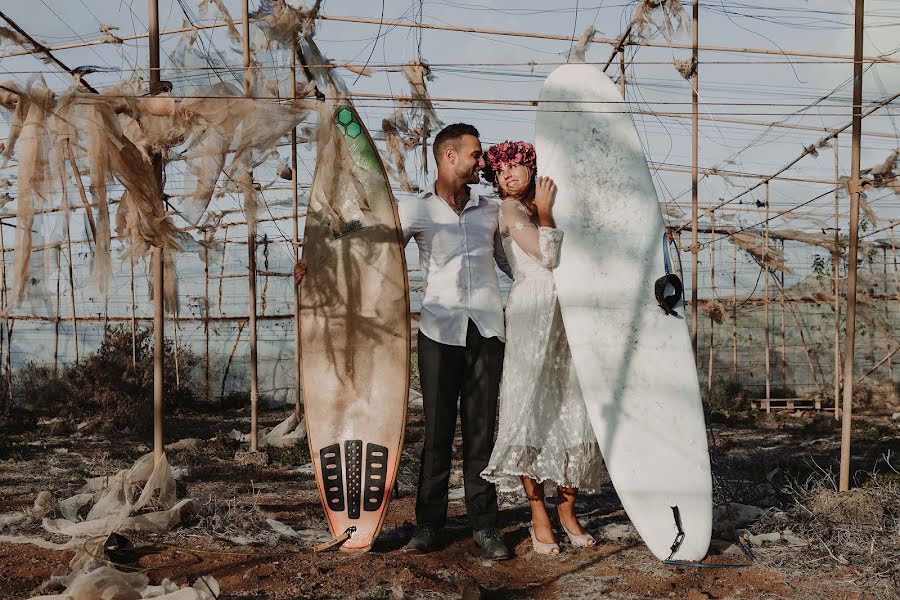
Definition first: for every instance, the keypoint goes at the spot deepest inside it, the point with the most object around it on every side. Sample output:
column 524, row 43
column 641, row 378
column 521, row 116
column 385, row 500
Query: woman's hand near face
column 544, row 196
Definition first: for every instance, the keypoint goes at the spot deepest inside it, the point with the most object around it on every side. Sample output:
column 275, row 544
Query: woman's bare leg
column 540, row 520
column 566, row 508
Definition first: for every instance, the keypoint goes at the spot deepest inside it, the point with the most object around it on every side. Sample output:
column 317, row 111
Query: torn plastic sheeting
column 285, row 434
column 107, row 582
column 154, row 522
column 117, row 498
column 288, row 533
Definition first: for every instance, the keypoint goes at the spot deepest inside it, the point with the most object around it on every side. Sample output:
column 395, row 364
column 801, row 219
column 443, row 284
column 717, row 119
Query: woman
column 545, row 433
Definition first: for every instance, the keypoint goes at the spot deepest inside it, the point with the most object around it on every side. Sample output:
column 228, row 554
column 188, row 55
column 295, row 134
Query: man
column 461, row 336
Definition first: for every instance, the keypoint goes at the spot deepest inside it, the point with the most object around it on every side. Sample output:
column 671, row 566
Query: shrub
column 106, row 387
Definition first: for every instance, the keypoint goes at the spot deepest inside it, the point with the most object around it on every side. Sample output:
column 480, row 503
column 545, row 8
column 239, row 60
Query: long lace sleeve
column 540, row 243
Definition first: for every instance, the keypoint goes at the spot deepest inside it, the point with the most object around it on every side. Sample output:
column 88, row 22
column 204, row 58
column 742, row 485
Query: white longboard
column 634, row 362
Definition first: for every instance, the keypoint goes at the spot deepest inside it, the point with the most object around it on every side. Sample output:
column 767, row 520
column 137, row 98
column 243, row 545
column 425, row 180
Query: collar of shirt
column 475, row 199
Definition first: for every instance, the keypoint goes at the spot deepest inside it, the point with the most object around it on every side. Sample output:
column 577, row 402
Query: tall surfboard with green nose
column 354, row 331
column 633, row 359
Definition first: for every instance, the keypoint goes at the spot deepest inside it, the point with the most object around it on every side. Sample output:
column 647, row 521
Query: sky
column 804, row 91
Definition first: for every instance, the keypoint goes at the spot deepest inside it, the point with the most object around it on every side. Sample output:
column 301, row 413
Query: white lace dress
column 544, row 429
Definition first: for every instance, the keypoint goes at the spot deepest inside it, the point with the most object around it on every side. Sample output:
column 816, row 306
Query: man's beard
column 468, row 175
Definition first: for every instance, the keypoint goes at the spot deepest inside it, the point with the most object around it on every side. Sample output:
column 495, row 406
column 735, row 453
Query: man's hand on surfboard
column 299, row 271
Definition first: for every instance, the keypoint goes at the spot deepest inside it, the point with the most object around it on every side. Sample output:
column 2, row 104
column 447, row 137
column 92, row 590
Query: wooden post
column 622, row 72
column 783, row 344
column 896, row 290
column 9, row 385
column 156, row 257
column 71, row 288
column 712, row 322
column 175, row 348
column 695, row 82
column 133, row 318
column 766, row 267
column 734, row 368
column 206, row 321
column 4, row 325
column 887, row 315
column 836, row 269
column 251, row 250
column 846, row 421
column 56, row 320
column 295, row 209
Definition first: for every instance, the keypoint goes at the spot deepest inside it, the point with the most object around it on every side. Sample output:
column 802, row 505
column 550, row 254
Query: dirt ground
column 231, row 540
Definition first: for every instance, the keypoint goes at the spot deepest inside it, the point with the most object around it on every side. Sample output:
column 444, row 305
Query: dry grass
column 858, row 529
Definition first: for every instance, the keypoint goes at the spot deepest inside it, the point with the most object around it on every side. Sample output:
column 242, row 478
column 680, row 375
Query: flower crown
column 517, row 153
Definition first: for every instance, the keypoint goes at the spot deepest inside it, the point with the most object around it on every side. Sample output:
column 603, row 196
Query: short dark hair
column 450, row 134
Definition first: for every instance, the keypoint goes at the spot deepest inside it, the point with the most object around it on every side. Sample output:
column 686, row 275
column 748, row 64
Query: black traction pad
column 353, row 456
column 333, row 482
column 376, row 474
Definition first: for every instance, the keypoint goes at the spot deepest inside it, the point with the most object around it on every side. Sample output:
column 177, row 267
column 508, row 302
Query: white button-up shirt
column 457, row 255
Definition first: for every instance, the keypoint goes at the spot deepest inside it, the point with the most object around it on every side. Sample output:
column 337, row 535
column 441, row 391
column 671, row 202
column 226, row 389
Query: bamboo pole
column 56, row 320
column 622, row 82
column 695, row 83
column 133, row 318
column 858, row 116
column 846, row 422
column 4, row 324
column 80, row 185
column 295, row 221
column 228, row 363
column 477, row 30
column 251, row 251
column 712, row 322
column 896, row 290
column 734, row 367
column 766, row 330
column 754, row 123
column 175, row 348
column 836, row 269
column 206, row 323
column 9, row 377
column 157, row 258
column 265, row 275
column 887, row 313
column 783, row 343
column 74, row 318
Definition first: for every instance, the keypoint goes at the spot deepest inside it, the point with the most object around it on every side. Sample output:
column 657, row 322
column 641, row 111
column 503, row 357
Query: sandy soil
column 754, row 455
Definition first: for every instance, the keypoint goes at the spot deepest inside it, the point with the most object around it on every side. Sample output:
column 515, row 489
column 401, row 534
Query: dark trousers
column 472, row 375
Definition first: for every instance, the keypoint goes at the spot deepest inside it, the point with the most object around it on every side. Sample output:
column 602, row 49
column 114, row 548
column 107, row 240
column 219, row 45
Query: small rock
column 250, row 576
column 247, row 457
column 142, row 449
column 618, row 532
column 895, row 416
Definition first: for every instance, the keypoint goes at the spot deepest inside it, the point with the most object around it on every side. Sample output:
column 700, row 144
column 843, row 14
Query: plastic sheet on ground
column 284, row 435
column 107, row 582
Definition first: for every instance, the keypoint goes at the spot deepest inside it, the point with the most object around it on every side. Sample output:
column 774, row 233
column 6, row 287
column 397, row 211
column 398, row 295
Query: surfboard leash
column 723, row 489
column 337, row 541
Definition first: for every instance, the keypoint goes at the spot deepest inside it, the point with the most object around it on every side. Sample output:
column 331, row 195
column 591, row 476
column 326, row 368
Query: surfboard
column 634, row 362
column 354, row 332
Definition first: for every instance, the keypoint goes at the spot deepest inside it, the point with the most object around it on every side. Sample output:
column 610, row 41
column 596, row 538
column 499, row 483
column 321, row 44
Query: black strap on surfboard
column 669, row 281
